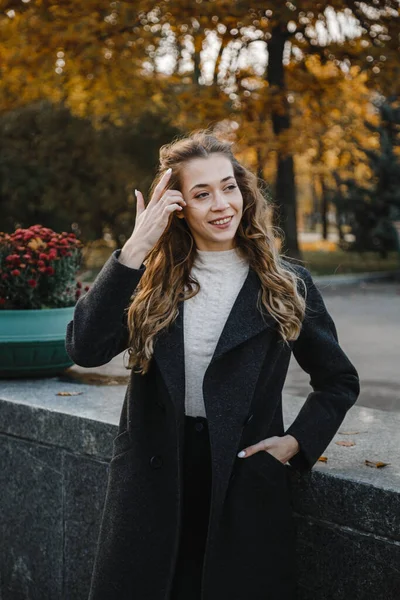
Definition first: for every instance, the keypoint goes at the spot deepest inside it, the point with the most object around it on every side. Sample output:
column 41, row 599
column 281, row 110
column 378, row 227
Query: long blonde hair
column 167, row 280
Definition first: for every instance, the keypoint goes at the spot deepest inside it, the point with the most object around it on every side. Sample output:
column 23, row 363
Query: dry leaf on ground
column 376, row 464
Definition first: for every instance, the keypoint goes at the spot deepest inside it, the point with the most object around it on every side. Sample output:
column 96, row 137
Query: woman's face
column 211, row 194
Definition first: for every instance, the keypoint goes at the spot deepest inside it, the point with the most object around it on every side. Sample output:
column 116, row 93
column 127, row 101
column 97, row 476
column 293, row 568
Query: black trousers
column 196, row 506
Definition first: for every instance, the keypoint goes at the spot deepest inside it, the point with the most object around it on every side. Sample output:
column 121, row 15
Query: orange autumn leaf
column 344, row 443
column 323, row 459
column 377, row 464
column 68, row 393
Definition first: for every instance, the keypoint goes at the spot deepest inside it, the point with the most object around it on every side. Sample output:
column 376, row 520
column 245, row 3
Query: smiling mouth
column 221, row 221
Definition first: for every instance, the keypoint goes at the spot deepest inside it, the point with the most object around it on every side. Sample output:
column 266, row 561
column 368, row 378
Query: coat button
column 156, row 461
column 248, row 419
column 199, row 426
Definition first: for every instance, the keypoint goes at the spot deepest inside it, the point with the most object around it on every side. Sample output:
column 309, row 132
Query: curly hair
column 166, row 280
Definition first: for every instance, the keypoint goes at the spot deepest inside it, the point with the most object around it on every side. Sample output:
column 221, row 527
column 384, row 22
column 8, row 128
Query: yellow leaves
column 369, row 463
column 376, row 465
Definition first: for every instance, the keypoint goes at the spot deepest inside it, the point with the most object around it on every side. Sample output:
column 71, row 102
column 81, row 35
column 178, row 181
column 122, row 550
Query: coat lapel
column 244, row 322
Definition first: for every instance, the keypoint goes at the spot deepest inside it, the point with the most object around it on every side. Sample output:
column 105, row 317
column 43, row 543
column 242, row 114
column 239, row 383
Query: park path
column 367, row 317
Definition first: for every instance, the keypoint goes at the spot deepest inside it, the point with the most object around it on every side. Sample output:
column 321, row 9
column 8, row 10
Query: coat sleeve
column 333, row 378
column 98, row 330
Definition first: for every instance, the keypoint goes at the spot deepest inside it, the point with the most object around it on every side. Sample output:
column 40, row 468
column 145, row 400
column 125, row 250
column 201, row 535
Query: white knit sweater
column 221, row 275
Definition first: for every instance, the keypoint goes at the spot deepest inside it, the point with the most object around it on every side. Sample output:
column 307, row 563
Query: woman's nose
column 219, row 201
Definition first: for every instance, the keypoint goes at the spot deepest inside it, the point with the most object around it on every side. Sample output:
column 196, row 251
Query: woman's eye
column 230, row 187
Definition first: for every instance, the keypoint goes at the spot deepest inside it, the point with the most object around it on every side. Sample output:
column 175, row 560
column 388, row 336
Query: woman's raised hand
column 151, row 221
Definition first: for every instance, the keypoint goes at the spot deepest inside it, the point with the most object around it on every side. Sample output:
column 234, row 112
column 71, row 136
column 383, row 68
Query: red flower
column 78, row 284
column 32, row 283
column 41, row 263
column 4, row 276
column 2, row 301
column 49, row 271
column 86, row 288
column 78, row 293
column 43, row 256
column 15, row 272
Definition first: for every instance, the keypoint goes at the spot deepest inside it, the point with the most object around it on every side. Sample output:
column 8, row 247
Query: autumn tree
column 109, row 59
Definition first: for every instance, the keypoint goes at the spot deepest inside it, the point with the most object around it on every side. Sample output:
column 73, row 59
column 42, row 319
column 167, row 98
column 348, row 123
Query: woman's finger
column 158, row 190
column 139, row 203
column 262, row 445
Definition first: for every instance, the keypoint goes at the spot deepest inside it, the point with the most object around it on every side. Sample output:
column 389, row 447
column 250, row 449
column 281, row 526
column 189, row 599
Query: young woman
column 198, row 497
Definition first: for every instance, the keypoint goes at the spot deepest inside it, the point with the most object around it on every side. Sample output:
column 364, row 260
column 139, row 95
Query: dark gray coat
column 251, row 535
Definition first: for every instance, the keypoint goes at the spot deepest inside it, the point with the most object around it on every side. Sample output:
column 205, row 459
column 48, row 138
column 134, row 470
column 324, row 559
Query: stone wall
column 54, row 455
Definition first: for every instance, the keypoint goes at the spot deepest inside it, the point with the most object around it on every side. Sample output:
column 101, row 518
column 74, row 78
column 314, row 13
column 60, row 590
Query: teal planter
column 32, row 342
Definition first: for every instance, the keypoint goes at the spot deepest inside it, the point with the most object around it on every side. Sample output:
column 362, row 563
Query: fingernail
column 136, row 193
column 169, row 170
column 241, row 454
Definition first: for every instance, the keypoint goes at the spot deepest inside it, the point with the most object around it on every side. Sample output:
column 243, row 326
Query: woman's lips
column 224, row 225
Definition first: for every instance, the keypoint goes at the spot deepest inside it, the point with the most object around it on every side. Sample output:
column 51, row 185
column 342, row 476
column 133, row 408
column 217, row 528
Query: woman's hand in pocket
column 281, row 447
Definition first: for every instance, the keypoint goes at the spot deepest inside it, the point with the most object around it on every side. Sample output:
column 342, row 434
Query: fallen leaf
column 344, row 443
column 323, row 459
column 68, row 393
column 377, row 464
column 348, row 432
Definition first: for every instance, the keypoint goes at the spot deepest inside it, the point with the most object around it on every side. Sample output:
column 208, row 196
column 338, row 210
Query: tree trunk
column 324, row 209
column 260, row 164
column 285, row 183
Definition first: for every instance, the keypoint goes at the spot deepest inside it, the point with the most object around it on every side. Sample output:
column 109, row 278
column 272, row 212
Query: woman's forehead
column 206, row 171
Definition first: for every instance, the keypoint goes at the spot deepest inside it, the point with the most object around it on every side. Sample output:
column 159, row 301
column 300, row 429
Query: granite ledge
column 343, row 490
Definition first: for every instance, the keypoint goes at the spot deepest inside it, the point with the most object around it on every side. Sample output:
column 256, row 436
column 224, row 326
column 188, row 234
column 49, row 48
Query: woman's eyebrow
column 208, row 185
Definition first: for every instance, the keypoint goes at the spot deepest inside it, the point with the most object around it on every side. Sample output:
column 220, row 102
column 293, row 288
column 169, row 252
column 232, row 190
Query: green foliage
column 342, row 262
column 371, row 208
column 59, row 170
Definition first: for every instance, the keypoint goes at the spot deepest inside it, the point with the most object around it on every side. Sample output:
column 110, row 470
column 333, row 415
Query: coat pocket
column 121, row 444
column 267, row 465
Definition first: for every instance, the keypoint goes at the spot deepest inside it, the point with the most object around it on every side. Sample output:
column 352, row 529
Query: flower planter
column 32, row 342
